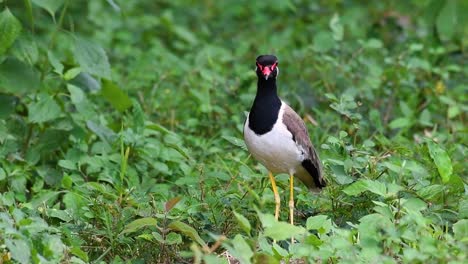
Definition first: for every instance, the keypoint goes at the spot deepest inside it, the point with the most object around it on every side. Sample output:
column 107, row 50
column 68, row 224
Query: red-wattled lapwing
column 278, row 138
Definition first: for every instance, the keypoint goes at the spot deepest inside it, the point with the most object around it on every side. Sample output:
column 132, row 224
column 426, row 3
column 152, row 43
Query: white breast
column 276, row 149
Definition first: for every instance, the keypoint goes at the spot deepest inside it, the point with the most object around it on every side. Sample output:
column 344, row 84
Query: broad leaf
column 283, row 230
column 26, row 49
column 50, row 5
column 138, row 224
column 376, row 187
column 463, row 208
column 19, row 249
column 236, row 141
column 356, row 188
column 104, row 133
column 17, row 77
column 45, row 109
column 92, row 58
column 7, row 106
column 188, row 231
column 319, row 222
column 10, row 29
column 323, row 41
column 441, row 160
column 241, row 249
column 79, row 253
column 447, row 20
column 243, row 222
column 118, row 98
column 460, row 229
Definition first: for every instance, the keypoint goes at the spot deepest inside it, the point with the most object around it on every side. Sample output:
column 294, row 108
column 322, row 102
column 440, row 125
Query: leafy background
column 121, row 131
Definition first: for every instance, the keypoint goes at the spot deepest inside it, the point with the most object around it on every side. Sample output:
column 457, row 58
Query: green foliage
column 121, row 131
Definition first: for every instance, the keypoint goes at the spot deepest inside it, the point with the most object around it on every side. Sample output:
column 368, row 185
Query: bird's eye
column 274, row 66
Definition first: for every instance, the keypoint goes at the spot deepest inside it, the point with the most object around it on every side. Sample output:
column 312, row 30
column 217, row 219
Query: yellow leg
column 277, row 197
column 291, row 202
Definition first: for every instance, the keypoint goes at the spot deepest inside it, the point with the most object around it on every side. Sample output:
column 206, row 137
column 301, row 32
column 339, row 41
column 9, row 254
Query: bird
column 277, row 137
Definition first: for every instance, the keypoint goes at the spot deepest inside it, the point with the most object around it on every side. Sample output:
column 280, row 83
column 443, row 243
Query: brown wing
column 311, row 163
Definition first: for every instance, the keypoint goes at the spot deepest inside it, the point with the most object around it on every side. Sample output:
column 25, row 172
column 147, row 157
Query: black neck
column 265, row 108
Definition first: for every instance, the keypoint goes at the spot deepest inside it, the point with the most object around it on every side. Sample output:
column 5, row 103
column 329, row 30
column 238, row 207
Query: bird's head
column 267, row 67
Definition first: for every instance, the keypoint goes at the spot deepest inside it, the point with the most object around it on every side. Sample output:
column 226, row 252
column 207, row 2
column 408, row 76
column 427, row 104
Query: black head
column 267, row 66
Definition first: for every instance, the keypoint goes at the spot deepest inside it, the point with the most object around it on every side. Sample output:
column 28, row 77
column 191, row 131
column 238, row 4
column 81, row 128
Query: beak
column 266, row 72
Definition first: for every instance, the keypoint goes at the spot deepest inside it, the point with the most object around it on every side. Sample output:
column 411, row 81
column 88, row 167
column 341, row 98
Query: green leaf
column 214, row 259
column 10, row 29
column 7, row 107
column 406, row 109
column 323, row 42
column 441, row 160
column 173, row 239
column 92, row 58
column 401, row 122
column 17, row 77
column 336, row 27
column 283, row 230
column 447, row 20
column 81, row 102
column 460, row 230
column 67, row 164
column 313, row 240
column 463, row 208
column 376, row 187
column 235, row 141
column 356, row 188
column 2, row 174
column 188, row 231
column 67, row 182
column 340, row 175
column 414, row 204
column 185, row 34
column 71, row 73
column 431, row 192
column 45, row 109
column 243, row 222
column 44, row 198
column 63, row 215
column 55, row 62
column 79, row 253
column 267, row 219
column 319, row 222
column 50, row 6
column 25, row 49
column 104, row 133
column 265, row 258
column 139, row 224
column 453, row 111
column 115, row 96
column 366, row 185
column 19, row 249
column 373, row 44
column 28, row 7
column 241, row 249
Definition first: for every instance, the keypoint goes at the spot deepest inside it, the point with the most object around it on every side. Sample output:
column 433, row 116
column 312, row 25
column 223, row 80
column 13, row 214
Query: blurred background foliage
column 121, row 131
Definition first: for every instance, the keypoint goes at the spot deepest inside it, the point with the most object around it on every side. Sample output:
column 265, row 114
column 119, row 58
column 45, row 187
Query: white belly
column 276, row 150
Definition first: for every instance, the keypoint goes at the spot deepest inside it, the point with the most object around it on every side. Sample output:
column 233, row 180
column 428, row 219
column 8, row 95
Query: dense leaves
column 121, row 131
